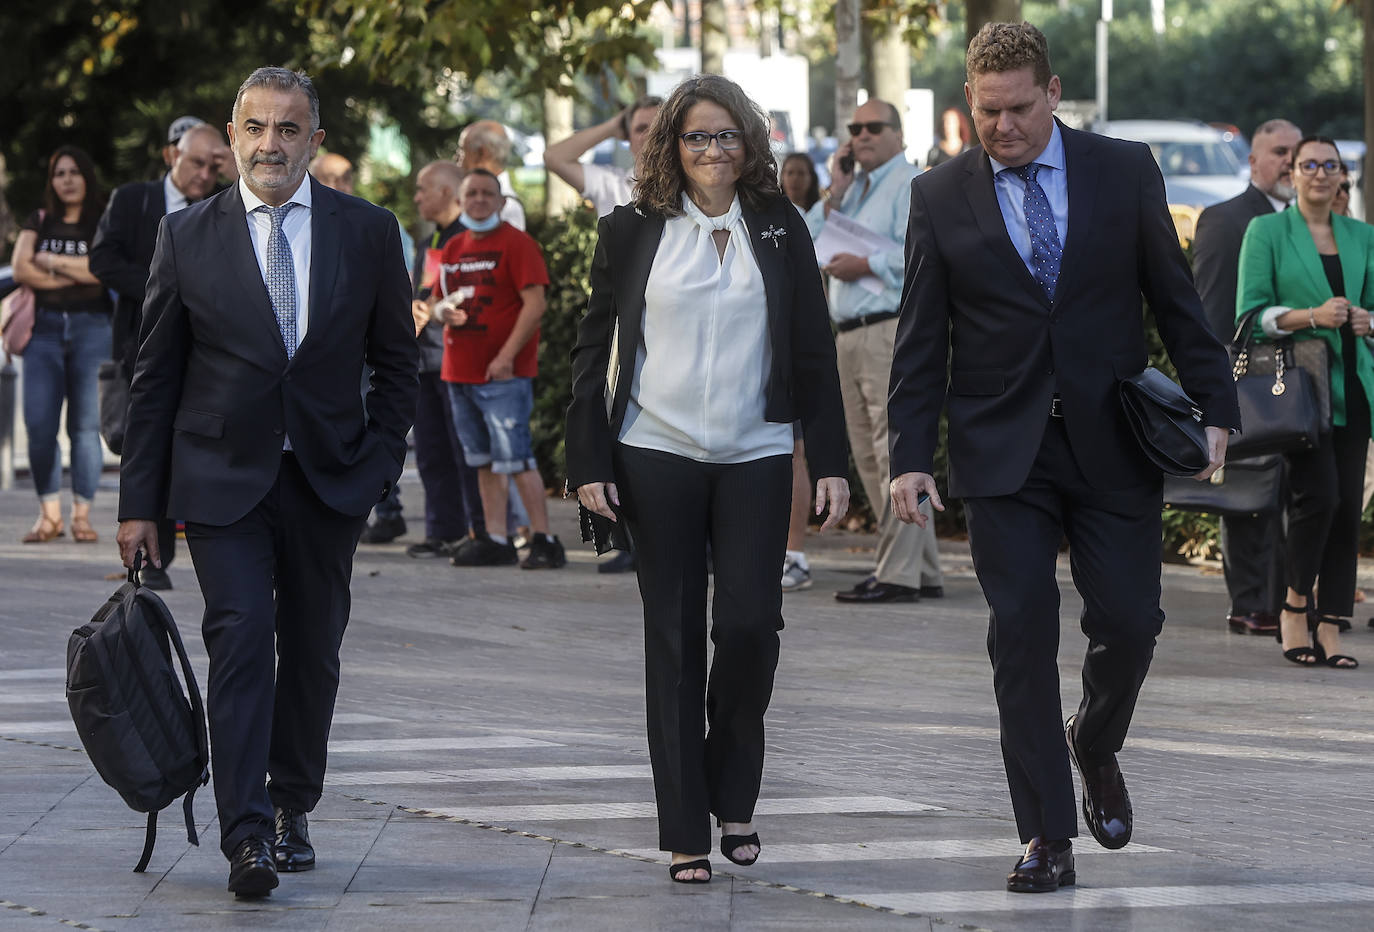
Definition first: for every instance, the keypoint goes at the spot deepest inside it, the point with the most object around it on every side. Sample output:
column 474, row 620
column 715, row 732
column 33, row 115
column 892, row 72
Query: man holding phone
column 871, row 184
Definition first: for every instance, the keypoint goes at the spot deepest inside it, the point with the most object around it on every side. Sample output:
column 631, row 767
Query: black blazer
column 970, row 308
column 803, row 382
column 1216, row 255
column 121, row 254
column 213, row 392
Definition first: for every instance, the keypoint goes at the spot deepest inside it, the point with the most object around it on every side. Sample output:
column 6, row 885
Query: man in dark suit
column 263, row 305
column 123, row 250
column 1251, row 547
column 1035, row 337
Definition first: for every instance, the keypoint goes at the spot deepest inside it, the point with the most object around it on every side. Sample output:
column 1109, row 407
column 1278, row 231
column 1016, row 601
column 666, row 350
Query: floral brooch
column 775, row 234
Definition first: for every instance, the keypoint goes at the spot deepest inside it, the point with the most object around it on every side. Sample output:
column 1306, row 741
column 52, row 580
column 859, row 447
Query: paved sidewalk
column 488, row 767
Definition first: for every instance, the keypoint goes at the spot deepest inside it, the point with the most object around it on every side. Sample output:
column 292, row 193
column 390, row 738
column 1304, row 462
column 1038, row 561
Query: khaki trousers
column 907, row 555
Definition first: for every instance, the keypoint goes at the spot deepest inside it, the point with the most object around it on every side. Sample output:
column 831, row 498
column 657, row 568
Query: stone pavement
column 488, row 767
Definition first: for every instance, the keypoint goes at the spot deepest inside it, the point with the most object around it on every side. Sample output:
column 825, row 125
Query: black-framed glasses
column 874, row 127
column 727, row 139
column 1310, row 166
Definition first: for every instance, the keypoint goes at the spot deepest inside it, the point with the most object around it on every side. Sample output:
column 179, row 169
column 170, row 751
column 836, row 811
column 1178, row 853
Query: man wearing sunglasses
column 871, row 184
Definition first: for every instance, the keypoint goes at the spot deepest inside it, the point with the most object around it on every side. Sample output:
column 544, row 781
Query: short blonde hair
column 1000, row 47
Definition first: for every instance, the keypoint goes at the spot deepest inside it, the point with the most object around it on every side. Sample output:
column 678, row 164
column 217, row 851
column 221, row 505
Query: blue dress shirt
column 1011, row 193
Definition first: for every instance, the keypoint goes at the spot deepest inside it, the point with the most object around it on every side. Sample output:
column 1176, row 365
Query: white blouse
column 701, row 367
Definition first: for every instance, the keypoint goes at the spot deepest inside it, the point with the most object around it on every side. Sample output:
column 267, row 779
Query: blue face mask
column 480, row 226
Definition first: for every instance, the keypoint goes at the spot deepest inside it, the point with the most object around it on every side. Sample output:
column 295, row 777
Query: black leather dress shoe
column 1253, row 623
column 870, row 590
column 1106, row 804
column 251, row 871
column 932, row 592
column 151, row 577
column 1045, row 867
column 293, row 851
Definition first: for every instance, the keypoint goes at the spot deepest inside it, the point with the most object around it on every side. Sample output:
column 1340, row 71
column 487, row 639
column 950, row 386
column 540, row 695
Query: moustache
column 269, row 160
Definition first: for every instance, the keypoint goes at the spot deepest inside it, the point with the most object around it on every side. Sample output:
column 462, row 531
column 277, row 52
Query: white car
column 1200, row 166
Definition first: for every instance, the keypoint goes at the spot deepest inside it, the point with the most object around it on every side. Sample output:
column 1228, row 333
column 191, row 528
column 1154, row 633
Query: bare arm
column 562, row 158
column 31, row 270
column 531, row 311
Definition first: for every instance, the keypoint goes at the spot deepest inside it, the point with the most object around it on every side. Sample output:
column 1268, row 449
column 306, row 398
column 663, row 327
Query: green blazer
column 1279, row 266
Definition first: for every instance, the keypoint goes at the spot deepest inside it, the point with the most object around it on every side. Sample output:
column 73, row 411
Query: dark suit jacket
column 802, row 384
column 213, row 392
column 121, row 254
column 1216, row 255
column 976, row 327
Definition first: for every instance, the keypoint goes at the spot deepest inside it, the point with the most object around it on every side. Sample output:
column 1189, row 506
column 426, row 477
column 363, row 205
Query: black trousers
column 276, row 588
column 1114, row 556
column 1252, row 555
column 167, row 541
column 1325, row 495
column 706, row 733
column 453, row 504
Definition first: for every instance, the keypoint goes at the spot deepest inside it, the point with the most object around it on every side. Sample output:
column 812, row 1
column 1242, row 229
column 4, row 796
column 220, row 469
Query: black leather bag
column 1166, row 423
column 601, row 532
column 1241, row 488
column 1280, row 410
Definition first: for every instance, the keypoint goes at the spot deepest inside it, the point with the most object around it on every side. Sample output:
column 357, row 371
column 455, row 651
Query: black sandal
column 728, row 844
column 1304, row 656
column 686, row 867
column 1335, row 661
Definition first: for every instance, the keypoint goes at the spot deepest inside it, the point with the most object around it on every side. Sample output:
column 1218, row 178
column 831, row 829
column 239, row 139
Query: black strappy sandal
column 728, row 844
column 1335, row 661
column 676, row 871
column 1305, row 656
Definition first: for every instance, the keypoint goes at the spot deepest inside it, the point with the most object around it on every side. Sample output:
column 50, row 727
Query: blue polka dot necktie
column 1046, row 250
column 281, row 276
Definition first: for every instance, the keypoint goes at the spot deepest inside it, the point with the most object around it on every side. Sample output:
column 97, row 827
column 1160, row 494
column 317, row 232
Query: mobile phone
column 922, row 498
column 846, row 164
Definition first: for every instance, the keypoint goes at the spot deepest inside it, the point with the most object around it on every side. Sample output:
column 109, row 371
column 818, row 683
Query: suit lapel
column 1306, row 250
column 981, row 191
column 324, row 256
column 770, row 259
column 1352, row 272
column 644, row 235
column 237, row 248
column 1081, row 173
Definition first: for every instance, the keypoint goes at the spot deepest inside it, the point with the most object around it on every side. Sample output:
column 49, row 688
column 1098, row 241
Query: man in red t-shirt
column 491, row 297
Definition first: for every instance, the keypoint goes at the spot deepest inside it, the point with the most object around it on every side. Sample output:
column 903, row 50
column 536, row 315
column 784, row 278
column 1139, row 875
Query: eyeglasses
column 1310, row 166
column 874, row 127
column 727, row 139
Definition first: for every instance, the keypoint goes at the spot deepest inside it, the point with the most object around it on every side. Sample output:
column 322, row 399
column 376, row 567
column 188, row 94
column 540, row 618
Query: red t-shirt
column 497, row 266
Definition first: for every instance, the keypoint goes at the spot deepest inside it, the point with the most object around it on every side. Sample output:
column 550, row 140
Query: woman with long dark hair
column 1312, row 271
column 706, row 336
column 71, row 337
column 799, row 180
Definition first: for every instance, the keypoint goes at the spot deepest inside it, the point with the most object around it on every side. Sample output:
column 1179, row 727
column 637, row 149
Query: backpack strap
column 149, row 839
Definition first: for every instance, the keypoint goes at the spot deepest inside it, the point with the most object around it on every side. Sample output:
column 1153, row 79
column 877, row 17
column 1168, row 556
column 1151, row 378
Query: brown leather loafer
column 1045, row 867
column 1106, row 804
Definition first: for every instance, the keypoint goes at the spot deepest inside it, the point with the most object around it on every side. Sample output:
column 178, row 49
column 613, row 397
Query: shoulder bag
column 1281, row 410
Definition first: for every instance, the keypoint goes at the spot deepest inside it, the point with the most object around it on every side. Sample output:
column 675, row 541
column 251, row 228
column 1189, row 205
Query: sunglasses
column 874, row 127
column 727, row 139
column 1310, row 166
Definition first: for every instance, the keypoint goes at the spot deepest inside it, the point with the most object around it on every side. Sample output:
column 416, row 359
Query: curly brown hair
column 661, row 180
column 1000, row 47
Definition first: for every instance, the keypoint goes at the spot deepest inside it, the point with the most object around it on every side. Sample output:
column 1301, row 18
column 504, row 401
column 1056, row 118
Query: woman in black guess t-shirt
column 71, row 337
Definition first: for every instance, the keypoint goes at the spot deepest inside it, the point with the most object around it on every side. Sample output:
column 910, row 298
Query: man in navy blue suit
column 263, row 305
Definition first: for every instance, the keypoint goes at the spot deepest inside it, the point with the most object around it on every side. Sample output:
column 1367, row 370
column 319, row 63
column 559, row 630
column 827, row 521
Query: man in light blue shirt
column 877, row 195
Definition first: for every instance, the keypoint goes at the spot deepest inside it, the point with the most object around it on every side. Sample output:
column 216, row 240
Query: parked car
column 1199, row 164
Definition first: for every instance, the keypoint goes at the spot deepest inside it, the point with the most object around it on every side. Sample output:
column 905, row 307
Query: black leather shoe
column 383, row 530
column 251, row 871
column 932, row 592
column 292, row 851
column 1253, row 623
column 1045, row 867
column 870, row 590
column 150, row 577
column 622, row 562
column 1106, row 804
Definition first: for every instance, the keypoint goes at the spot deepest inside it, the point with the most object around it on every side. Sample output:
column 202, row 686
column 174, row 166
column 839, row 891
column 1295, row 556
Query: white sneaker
column 794, row 576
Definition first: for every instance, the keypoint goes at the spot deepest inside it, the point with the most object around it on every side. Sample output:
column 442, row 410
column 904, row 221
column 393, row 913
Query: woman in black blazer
column 706, row 336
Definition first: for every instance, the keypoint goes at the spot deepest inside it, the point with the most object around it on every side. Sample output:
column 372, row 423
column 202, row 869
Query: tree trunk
column 846, row 63
column 980, row 12
column 713, row 36
column 559, row 196
column 891, row 67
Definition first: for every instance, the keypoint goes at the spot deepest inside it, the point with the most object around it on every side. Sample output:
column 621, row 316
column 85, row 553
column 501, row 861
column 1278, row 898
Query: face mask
column 480, row 226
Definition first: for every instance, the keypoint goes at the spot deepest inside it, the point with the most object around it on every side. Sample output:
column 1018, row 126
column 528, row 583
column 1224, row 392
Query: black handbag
column 1241, row 488
column 601, row 532
column 1166, row 423
column 1280, row 411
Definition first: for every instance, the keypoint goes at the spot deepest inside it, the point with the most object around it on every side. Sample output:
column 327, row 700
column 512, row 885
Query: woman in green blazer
column 1313, row 273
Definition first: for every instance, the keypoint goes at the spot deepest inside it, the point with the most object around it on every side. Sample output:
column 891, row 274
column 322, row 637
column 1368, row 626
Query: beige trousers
column 907, row 555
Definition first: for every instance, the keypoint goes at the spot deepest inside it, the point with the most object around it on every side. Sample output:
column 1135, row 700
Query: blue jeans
column 493, row 423
column 60, row 364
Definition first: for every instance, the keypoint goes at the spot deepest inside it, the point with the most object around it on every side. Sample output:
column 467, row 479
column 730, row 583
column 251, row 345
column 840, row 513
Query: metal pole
column 9, row 379
column 1102, row 60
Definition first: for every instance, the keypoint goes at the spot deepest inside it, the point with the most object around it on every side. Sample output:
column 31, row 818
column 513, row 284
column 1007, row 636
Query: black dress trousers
column 1114, row 557
column 276, row 587
column 706, row 734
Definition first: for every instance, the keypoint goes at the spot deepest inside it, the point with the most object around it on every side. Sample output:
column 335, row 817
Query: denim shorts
column 493, row 423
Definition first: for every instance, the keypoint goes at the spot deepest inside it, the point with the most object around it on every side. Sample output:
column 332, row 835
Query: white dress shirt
column 701, row 367
column 1011, row 194
column 296, row 226
column 172, row 196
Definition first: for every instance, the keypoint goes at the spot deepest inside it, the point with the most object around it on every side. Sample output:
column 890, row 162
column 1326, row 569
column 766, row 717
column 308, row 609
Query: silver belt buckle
column 1056, row 407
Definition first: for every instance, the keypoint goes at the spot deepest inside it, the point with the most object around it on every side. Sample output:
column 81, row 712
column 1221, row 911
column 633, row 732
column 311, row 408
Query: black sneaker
column 383, row 530
column 546, row 553
column 483, row 551
column 431, row 547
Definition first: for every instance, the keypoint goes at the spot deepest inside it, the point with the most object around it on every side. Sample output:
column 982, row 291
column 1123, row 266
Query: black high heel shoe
column 1304, row 656
column 1335, row 661
column 728, row 844
column 676, row 871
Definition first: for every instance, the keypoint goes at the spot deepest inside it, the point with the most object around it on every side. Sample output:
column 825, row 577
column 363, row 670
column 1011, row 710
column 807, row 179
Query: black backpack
column 142, row 734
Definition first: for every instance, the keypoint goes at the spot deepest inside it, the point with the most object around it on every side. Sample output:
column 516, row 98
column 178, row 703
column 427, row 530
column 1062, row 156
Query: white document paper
column 845, row 234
